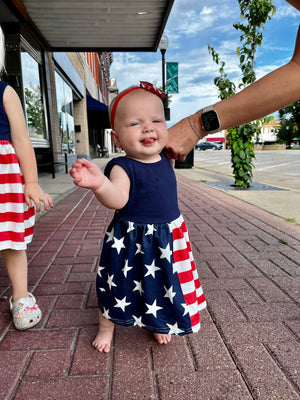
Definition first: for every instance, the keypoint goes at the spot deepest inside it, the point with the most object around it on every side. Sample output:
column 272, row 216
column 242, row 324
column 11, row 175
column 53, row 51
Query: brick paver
column 249, row 344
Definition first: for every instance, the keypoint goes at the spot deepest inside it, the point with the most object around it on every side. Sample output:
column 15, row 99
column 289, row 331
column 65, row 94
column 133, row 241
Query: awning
column 89, row 25
column 95, row 105
column 97, row 114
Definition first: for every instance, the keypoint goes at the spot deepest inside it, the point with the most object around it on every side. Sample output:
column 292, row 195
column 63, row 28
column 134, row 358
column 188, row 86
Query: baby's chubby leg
column 102, row 341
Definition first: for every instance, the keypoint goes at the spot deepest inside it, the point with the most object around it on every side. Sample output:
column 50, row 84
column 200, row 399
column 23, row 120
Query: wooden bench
column 45, row 160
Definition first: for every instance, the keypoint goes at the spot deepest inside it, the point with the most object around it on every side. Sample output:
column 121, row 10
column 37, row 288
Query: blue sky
column 192, row 25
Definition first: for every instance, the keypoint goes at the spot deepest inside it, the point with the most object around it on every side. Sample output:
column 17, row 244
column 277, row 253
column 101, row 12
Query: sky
column 192, row 25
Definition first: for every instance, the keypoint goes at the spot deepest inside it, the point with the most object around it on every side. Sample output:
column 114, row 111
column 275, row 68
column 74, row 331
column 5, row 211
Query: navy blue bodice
column 153, row 191
column 4, row 124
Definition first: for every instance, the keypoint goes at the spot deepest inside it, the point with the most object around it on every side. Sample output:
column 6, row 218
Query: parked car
column 208, row 145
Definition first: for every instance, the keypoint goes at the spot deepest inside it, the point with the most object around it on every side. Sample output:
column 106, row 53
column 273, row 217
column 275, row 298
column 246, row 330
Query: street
column 271, row 167
column 278, row 169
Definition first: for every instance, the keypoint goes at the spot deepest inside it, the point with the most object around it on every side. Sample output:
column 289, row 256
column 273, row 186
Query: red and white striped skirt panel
column 184, row 266
column 16, row 218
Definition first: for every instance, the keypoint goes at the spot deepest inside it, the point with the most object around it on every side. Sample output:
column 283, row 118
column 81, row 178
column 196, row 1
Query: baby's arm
column 112, row 193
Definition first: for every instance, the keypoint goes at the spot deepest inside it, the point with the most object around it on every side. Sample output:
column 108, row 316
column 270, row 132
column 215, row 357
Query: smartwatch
column 210, row 120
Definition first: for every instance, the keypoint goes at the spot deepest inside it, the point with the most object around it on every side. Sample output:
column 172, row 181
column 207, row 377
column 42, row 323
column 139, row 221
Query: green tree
column 290, row 123
column 34, row 108
column 254, row 14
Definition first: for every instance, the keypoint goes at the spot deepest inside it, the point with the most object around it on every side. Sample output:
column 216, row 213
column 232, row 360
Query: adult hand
column 182, row 138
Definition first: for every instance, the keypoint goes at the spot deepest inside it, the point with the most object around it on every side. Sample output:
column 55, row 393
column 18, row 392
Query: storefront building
column 58, row 57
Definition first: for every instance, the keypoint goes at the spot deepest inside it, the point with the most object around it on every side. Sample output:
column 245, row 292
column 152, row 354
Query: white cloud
column 191, row 26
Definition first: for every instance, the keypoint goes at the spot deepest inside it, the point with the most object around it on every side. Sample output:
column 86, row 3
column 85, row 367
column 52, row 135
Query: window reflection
column 64, row 98
column 34, row 109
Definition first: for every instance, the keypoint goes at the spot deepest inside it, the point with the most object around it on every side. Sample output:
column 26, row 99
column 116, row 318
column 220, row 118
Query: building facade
column 54, row 88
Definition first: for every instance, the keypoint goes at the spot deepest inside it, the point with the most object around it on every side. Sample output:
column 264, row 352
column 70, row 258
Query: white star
column 138, row 321
column 169, row 293
column 139, row 249
column 174, row 329
column 138, row 286
column 126, row 268
column 152, row 309
column 166, row 253
column 185, row 306
column 99, row 271
column 150, row 230
column 110, row 235
column 101, row 289
column 122, row 303
column 151, row 269
column 105, row 313
column 110, row 281
column 118, row 244
column 131, row 226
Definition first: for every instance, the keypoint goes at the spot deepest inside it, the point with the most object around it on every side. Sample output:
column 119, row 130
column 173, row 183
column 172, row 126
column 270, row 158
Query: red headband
column 143, row 85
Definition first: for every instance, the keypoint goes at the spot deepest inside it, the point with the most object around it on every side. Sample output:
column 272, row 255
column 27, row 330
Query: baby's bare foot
column 102, row 341
column 162, row 338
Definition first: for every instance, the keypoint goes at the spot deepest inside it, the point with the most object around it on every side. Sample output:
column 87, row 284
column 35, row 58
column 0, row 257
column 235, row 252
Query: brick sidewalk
column 248, row 346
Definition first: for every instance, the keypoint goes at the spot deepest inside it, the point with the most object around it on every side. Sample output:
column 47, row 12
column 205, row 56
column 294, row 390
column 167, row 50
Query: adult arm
column 268, row 94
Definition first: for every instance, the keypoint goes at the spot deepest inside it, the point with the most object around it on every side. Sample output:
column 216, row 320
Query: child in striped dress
column 147, row 275
column 19, row 189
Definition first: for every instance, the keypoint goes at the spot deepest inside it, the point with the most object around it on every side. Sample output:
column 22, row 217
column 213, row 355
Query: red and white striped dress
column 16, row 218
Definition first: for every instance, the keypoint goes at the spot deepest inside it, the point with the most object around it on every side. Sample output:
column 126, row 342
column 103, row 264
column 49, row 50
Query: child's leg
column 162, row 338
column 16, row 264
column 104, row 336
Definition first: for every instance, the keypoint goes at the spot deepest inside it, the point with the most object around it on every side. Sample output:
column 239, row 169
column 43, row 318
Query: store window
column 33, row 97
column 64, row 98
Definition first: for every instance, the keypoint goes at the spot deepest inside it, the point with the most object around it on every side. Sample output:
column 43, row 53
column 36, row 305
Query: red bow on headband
column 151, row 88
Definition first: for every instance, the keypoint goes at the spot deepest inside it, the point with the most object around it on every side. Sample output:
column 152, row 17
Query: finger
column 37, row 205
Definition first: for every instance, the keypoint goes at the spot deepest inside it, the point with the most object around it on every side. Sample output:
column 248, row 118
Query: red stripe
column 190, row 298
column 181, row 255
column 8, row 159
column 17, row 217
column 12, row 198
column 177, row 234
column 195, row 319
column 16, row 237
column 201, row 299
column 11, row 178
column 186, row 276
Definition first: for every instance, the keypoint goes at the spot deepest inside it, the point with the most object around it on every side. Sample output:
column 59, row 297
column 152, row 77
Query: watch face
column 210, row 121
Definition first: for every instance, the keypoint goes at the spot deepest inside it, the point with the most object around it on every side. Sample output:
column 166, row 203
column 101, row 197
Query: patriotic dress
column 16, row 218
column 147, row 275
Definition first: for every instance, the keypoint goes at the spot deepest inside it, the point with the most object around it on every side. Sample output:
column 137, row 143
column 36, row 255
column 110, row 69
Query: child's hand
column 33, row 192
column 86, row 174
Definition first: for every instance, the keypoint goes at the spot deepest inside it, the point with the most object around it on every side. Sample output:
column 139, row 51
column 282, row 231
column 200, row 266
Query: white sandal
column 26, row 313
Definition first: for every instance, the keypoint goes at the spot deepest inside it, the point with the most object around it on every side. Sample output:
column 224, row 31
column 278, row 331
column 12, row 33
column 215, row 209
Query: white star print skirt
column 16, row 218
column 147, row 277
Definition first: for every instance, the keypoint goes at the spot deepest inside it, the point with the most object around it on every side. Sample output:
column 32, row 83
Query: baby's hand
column 33, row 192
column 86, row 174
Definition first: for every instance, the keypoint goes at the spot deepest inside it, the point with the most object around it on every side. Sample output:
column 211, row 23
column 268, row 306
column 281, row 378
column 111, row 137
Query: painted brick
column 86, row 359
column 262, row 373
column 11, row 367
column 87, row 388
column 213, row 385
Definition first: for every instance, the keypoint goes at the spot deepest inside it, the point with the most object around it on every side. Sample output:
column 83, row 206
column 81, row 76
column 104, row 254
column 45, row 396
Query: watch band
column 207, row 109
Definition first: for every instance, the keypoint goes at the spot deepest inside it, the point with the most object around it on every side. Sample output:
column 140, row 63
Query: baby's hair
column 2, row 50
column 149, row 87
column 115, row 99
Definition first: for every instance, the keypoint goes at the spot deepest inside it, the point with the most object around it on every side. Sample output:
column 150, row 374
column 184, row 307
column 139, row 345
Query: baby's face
column 140, row 125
